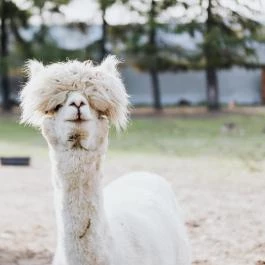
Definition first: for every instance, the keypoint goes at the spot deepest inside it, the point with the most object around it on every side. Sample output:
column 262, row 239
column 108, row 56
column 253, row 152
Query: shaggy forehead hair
column 49, row 85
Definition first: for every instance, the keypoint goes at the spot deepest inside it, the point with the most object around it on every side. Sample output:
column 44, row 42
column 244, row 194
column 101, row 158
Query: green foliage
column 104, row 4
column 14, row 14
column 140, row 43
column 229, row 37
column 55, row 3
column 41, row 46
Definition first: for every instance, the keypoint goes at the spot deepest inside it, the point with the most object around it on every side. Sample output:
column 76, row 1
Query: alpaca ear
column 111, row 97
column 33, row 67
column 109, row 65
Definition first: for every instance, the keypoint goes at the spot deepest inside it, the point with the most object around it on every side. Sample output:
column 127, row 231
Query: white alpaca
column 134, row 220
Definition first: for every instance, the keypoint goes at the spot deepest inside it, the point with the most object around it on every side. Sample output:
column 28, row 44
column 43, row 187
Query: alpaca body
column 145, row 221
column 134, row 220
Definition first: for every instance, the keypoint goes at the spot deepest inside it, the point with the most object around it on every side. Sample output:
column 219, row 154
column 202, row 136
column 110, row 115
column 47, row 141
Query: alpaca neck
column 83, row 233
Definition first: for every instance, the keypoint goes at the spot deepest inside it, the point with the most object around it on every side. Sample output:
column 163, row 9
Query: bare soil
column 223, row 203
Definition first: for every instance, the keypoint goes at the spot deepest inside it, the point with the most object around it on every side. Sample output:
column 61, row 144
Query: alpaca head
column 74, row 102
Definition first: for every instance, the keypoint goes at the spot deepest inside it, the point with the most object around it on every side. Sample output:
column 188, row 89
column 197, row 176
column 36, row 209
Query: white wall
column 236, row 84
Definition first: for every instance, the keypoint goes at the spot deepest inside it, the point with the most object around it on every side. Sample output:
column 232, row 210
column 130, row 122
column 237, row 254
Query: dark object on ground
column 15, row 161
column 184, row 102
column 260, row 262
column 230, row 126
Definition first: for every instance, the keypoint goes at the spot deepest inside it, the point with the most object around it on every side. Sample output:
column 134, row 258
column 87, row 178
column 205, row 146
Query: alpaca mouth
column 78, row 120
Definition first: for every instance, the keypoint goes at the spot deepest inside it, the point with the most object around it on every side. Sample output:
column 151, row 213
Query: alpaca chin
column 79, row 139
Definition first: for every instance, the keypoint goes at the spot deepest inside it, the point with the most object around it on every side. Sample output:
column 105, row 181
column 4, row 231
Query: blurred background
column 195, row 72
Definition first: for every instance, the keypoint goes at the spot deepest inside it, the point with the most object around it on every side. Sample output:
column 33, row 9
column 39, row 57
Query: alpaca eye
column 57, row 107
column 102, row 115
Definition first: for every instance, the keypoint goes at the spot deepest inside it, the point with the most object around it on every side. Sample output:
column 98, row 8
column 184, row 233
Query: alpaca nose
column 77, row 102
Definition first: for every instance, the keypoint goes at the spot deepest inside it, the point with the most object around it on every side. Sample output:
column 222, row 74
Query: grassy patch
column 170, row 136
column 12, row 131
column 195, row 136
column 16, row 140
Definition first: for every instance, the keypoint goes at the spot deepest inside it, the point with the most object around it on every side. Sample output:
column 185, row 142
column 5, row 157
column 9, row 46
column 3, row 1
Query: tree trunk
column 4, row 65
column 212, row 89
column 103, row 51
column 211, row 75
column 156, row 90
column 263, row 86
column 153, row 58
column 26, row 46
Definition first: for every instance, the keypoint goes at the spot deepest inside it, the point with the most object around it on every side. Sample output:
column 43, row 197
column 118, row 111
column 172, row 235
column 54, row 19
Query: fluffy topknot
column 48, row 85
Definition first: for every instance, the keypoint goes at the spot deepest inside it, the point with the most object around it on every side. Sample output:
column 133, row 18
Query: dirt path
column 223, row 201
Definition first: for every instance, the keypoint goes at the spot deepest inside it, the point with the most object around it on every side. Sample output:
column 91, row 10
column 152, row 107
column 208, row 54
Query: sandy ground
column 223, row 202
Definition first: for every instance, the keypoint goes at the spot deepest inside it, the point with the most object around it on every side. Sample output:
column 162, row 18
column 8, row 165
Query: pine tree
column 103, row 6
column 13, row 18
column 143, row 47
column 230, row 37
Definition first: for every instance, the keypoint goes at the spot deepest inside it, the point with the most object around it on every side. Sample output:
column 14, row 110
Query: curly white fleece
column 49, row 85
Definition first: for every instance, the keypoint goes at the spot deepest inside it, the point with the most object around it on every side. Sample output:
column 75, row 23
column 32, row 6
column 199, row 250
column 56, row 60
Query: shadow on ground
column 26, row 257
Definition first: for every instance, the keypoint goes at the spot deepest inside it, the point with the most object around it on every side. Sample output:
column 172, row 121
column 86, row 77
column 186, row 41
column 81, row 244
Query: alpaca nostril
column 73, row 104
column 78, row 105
